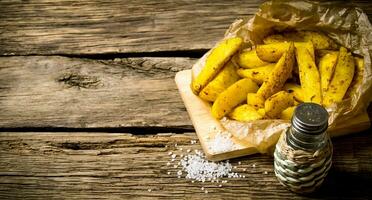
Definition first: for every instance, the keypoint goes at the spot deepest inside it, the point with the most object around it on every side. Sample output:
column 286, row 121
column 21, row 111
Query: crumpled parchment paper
column 347, row 25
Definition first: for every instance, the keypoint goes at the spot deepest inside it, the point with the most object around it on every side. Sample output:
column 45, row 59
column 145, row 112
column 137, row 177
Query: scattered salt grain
column 168, row 163
column 243, row 176
column 178, row 176
column 170, row 153
column 149, row 190
column 175, row 166
column 174, row 156
column 168, row 173
column 235, row 167
column 202, row 188
column 253, row 165
column 265, row 172
column 239, row 163
column 175, row 145
column 188, row 150
column 244, row 169
column 206, row 191
column 181, row 149
column 221, row 143
column 179, row 173
column 173, row 160
column 198, row 168
column 219, row 185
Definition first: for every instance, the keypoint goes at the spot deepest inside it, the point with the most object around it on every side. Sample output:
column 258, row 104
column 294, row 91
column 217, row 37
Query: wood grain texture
column 115, row 26
column 53, row 91
column 123, row 166
column 46, row 27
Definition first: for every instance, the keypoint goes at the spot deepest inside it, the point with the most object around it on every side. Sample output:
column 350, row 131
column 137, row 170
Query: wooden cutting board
column 215, row 141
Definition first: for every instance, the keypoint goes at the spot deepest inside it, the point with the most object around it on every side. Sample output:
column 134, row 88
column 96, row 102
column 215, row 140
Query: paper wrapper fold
column 347, row 25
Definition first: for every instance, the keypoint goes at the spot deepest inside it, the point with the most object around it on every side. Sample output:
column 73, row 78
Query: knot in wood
column 80, row 81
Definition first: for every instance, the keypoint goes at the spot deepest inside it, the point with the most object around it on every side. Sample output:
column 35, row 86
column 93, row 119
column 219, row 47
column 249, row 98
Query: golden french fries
column 276, row 76
column 320, row 40
column 296, row 90
column 275, row 105
column 271, row 52
column 358, row 77
column 232, row 97
column 245, row 113
column 259, row 74
column 327, row 65
column 226, row 77
column 342, row 77
column 287, row 113
column 249, row 59
column 255, row 100
column 279, row 75
column 215, row 61
column 309, row 76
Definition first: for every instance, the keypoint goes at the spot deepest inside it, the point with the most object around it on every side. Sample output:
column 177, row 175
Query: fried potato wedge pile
column 268, row 80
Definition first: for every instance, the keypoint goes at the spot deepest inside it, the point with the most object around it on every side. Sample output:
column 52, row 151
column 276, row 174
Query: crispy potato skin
column 327, row 64
column 232, row 97
column 279, row 75
column 343, row 75
column 309, row 76
column 249, row 59
column 275, row 105
column 287, row 113
column 215, row 61
column 358, row 77
column 226, row 77
column 259, row 74
column 245, row 113
column 255, row 100
column 296, row 90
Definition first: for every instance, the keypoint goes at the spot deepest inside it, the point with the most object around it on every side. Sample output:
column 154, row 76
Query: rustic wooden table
column 89, row 107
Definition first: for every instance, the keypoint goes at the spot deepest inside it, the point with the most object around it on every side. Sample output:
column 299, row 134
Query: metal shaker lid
column 310, row 118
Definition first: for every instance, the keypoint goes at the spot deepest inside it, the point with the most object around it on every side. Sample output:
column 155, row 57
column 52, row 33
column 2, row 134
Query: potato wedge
column 261, row 111
column 223, row 80
column 358, row 77
column 341, row 79
column 215, row 61
column 249, row 59
column 275, row 105
column 273, row 52
column 279, row 75
column 233, row 96
column 287, row 113
column 296, row 90
column 327, row 65
column 320, row 40
column 255, row 100
column 309, row 76
column 259, row 74
column 245, row 113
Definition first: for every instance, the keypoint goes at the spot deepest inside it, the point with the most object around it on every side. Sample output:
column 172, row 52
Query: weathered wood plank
column 52, row 91
column 113, row 166
column 117, row 26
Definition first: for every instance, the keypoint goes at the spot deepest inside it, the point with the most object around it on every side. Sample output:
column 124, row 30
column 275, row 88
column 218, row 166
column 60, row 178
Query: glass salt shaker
column 303, row 155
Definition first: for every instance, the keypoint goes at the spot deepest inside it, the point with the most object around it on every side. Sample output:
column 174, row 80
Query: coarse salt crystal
column 239, row 163
column 174, row 156
column 265, row 172
column 202, row 188
column 168, row 163
column 219, row 185
column 206, row 191
column 170, row 153
column 253, row 165
column 221, row 143
column 168, row 173
column 149, row 190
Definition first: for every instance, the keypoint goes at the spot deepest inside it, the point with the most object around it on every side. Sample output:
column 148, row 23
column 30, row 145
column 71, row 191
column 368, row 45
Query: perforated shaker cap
column 310, row 118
